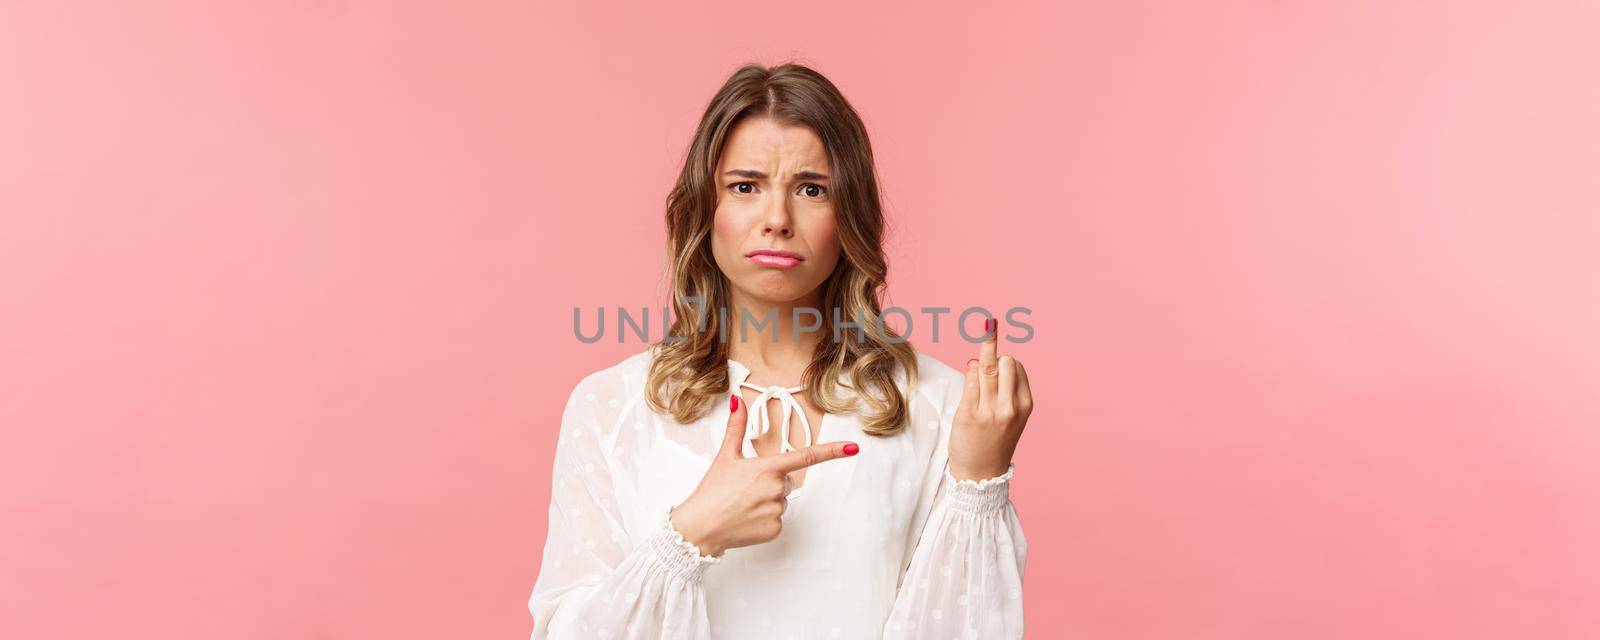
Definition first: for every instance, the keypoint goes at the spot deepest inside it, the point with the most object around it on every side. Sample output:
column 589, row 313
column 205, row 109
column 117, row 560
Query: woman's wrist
column 695, row 532
column 676, row 554
column 981, row 496
column 976, row 473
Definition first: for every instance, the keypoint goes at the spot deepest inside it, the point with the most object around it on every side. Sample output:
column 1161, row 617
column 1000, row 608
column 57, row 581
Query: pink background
column 287, row 294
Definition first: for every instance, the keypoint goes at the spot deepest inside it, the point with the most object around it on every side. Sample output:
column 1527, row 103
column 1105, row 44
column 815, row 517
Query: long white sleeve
column 965, row 575
column 965, row 578
column 594, row 581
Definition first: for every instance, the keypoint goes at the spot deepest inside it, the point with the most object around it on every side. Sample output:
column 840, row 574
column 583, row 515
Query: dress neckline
column 758, row 422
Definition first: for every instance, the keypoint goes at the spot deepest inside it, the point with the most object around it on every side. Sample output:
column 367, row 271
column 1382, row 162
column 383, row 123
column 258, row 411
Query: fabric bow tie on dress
column 757, row 423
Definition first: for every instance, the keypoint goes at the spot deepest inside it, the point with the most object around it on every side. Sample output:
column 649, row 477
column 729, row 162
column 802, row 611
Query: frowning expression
column 774, row 235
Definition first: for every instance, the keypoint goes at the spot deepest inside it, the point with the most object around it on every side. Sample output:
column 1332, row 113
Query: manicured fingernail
column 733, row 403
column 990, row 325
column 851, row 449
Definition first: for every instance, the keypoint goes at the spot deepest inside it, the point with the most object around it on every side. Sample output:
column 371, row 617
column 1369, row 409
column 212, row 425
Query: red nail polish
column 733, row 403
column 851, row 449
column 990, row 325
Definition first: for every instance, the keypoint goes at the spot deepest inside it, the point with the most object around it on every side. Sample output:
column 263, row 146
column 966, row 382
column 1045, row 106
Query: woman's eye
column 808, row 190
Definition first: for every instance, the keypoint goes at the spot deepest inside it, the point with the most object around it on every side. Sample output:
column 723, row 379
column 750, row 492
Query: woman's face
column 773, row 196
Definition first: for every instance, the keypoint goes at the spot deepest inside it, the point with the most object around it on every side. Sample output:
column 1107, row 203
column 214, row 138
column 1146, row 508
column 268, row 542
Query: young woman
column 873, row 502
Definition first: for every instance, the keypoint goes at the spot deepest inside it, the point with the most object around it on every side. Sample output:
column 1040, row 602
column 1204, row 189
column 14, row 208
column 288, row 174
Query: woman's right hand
column 740, row 501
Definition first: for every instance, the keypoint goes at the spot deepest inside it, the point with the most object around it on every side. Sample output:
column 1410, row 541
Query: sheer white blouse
column 883, row 544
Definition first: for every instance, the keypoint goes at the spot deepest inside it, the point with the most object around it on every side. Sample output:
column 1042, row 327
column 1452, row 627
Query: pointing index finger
column 802, row 458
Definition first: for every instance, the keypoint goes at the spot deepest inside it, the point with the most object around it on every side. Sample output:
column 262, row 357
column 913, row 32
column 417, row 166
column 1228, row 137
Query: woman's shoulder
column 938, row 382
column 601, row 399
column 931, row 368
column 615, row 380
column 616, row 383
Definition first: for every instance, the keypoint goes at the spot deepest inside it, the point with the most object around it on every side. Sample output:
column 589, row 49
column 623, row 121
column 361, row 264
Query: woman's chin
column 776, row 288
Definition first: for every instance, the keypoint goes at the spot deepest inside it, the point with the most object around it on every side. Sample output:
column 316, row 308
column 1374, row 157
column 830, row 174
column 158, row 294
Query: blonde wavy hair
column 689, row 371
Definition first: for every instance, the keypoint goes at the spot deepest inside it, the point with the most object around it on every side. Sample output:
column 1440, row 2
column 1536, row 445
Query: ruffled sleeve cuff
column 980, row 496
column 675, row 553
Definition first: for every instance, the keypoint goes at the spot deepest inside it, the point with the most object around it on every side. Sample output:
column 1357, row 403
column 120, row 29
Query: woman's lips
column 775, row 259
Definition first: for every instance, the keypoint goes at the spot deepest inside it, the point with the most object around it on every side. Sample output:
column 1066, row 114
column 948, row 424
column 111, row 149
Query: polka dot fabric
column 884, row 544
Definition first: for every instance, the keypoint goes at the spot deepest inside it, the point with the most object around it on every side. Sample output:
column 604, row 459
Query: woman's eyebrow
column 757, row 175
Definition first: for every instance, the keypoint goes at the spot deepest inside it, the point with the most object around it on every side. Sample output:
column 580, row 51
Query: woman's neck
column 754, row 346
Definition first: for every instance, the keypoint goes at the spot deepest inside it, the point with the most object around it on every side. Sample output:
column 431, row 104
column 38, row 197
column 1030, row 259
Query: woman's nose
column 778, row 221
column 782, row 231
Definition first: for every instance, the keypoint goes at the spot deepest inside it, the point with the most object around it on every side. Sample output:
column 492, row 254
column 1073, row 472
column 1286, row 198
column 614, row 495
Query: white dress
column 882, row 544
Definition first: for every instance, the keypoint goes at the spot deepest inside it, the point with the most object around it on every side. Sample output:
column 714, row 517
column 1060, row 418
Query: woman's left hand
column 994, row 408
